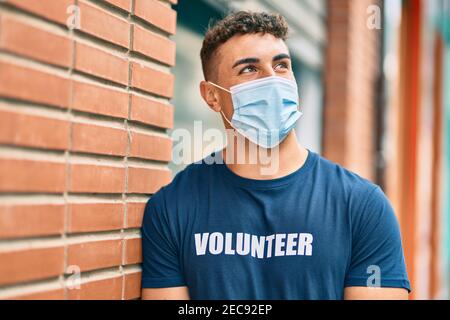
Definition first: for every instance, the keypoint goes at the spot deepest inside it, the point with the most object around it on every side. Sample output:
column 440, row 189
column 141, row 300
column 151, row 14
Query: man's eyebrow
column 245, row 60
column 281, row 56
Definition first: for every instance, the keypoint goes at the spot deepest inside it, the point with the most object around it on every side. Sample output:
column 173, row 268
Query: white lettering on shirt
column 279, row 244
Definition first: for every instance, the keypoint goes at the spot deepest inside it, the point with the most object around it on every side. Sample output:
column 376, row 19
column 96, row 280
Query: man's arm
column 377, row 268
column 174, row 293
column 162, row 278
column 374, row 293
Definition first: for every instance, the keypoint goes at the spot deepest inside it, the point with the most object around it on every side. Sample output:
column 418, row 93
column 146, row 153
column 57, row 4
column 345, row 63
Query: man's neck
column 289, row 157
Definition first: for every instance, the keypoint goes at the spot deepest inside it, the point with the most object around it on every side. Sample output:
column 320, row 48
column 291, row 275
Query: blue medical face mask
column 265, row 110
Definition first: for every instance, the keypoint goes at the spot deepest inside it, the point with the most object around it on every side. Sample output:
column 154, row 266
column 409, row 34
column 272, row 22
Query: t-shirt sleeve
column 160, row 262
column 377, row 255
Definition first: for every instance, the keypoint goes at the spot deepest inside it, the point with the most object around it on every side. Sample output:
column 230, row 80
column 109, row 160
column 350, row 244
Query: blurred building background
column 374, row 84
column 92, row 92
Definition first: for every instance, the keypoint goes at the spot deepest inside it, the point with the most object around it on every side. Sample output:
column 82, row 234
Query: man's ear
column 210, row 95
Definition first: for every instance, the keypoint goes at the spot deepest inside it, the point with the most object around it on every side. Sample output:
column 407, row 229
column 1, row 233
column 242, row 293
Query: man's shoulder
column 364, row 198
column 186, row 182
column 193, row 174
column 343, row 178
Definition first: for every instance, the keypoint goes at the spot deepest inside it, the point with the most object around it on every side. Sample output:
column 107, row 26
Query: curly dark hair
column 241, row 22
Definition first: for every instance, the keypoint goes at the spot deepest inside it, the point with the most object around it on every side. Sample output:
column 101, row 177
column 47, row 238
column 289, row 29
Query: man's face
column 248, row 57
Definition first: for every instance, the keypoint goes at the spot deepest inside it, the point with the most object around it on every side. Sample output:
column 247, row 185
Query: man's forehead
column 262, row 46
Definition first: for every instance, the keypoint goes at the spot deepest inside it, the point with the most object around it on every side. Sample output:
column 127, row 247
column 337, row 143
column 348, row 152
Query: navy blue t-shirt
column 307, row 235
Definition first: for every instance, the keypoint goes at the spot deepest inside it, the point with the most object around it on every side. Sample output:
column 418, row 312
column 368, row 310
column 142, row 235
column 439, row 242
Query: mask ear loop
column 216, row 85
column 229, row 122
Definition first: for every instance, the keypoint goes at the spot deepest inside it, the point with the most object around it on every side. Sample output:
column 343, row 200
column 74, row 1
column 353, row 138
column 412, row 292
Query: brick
column 122, row 4
column 135, row 213
column 55, row 10
column 37, row 86
column 151, row 112
column 349, row 85
column 97, row 179
column 89, row 217
column 15, row 266
column 103, row 24
column 141, row 180
column 132, row 287
column 99, row 139
column 22, row 175
column 31, row 220
column 105, row 289
column 101, row 100
column 153, row 81
column 33, row 131
column 95, row 254
column 55, row 294
column 133, row 251
column 157, row 14
column 26, row 40
column 101, row 63
column 150, row 147
column 105, row 83
column 154, row 46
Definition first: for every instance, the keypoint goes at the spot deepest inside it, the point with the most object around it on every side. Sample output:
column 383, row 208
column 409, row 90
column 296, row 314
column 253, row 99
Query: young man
column 309, row 229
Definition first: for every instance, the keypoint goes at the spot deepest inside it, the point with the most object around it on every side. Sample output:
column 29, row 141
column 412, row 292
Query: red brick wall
column 83, row 142
column 352, row 69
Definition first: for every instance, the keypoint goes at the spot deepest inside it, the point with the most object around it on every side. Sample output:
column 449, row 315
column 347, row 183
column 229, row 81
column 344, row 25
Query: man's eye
column 282, row 65
column 247, row 69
